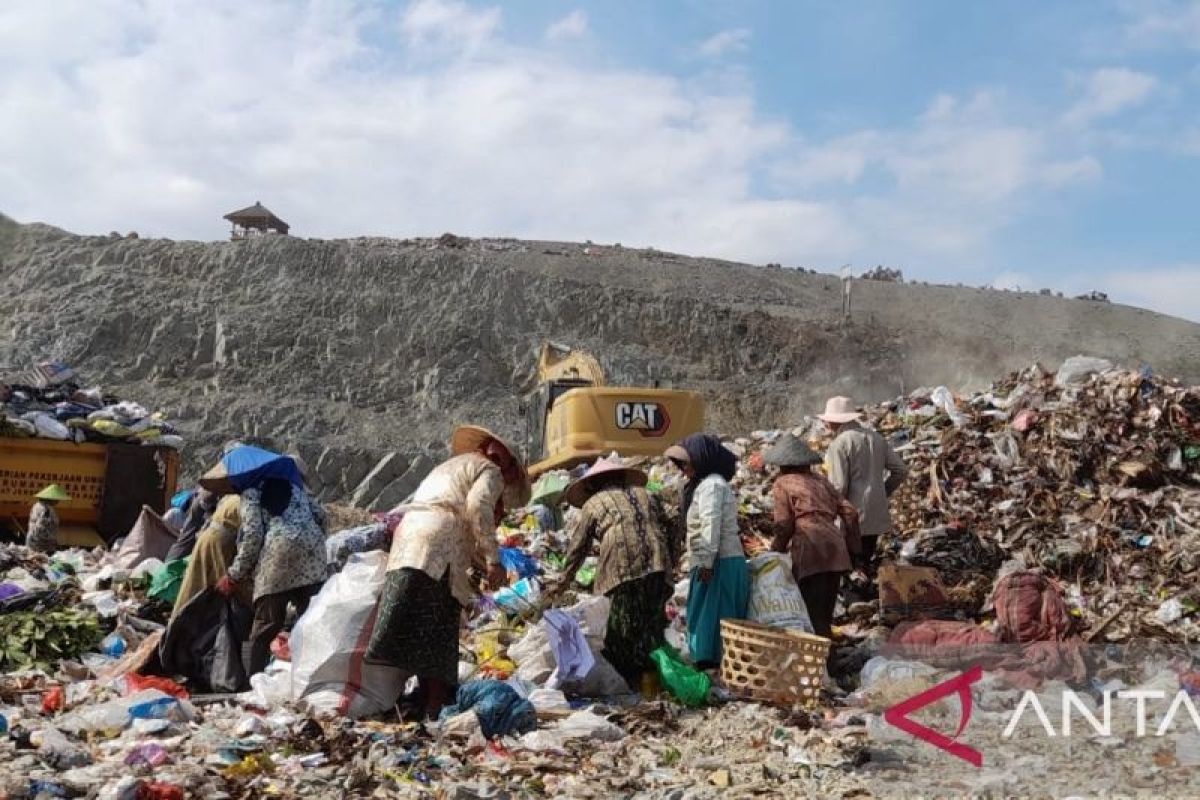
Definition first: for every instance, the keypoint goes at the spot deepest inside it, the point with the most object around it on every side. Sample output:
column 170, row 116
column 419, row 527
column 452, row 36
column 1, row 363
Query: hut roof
column 257, row 216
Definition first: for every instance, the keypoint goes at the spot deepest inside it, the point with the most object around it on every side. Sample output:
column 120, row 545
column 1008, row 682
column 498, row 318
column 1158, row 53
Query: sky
column 1018, row 144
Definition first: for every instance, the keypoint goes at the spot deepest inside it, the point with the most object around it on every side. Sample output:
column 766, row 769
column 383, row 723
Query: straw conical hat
column 467, row 438
column 53, row 492
column 583, row 488
column 790, row 451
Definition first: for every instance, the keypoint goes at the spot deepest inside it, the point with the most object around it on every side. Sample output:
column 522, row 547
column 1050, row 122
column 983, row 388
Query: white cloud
column 185, row 113
column 1170, row 289
column 446, row 24
column 734, row 40
column 352, row 118
column 942, row 186
column 1153, row 23
column 572, row 26
column 1109, row 91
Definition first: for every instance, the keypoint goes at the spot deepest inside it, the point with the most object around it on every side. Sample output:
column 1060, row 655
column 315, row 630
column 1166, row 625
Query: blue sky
column 1021, row 144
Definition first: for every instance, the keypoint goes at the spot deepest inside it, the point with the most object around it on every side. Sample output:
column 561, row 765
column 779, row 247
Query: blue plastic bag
column 518, row 561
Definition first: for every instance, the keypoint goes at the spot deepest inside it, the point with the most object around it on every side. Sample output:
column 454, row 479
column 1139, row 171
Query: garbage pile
column 1091, row 475
column 54, row 405
column 1073, row 499
column 538, row 711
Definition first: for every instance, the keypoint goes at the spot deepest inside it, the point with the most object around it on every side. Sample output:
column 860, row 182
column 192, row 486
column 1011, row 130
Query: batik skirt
column 417, row 627
column 636, row 622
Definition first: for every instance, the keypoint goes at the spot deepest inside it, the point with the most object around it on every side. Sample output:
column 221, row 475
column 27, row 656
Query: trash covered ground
column 1071, row 499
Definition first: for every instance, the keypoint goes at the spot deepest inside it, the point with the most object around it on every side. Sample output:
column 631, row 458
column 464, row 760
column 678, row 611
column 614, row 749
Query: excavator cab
column 573, row 417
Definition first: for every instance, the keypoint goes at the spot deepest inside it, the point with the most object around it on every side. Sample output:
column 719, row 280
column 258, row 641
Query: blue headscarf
column 707, row 456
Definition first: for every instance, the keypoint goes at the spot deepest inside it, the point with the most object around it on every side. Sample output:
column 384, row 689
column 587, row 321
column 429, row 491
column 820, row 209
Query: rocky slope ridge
column 361, row 353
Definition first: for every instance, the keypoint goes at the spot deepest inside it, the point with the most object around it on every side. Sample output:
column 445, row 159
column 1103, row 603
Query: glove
column 497, row 576
column 227, row 585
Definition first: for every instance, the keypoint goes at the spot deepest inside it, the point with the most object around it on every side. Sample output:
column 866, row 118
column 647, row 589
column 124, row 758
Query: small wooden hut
column 255, row 220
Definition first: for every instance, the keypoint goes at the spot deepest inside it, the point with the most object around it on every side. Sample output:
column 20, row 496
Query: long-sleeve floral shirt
column 280, row 553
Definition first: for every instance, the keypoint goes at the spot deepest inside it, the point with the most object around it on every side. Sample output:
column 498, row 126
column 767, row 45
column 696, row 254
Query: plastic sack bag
column 164, row 586
column 150, row 537
column 775, row 598
column 687, row 685
column 328, row 644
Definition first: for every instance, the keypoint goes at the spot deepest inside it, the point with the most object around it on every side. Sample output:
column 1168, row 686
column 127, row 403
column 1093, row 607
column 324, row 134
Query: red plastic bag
column 136, row 683
column 280, row 648
column 159, row 791
column 52, row 700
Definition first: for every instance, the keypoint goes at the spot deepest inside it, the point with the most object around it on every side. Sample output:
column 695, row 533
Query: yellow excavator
column 573, row 417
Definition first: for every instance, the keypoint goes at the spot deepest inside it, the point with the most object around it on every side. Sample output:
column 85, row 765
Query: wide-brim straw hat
column 839, row 409
column 468, row 438
column 581, row 489
column 790, row 451
column 53, row 492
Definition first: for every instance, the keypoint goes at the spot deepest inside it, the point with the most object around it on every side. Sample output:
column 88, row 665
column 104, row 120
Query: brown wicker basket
column 772, row 665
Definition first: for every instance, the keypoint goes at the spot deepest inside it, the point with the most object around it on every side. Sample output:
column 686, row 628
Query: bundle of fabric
column 1030, row 608
column 501, row 711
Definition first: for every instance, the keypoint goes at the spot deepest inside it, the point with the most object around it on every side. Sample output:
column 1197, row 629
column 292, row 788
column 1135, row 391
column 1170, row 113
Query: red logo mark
column 898, row 715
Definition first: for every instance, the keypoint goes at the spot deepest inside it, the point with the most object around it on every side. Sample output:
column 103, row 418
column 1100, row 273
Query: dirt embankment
column 349, row 350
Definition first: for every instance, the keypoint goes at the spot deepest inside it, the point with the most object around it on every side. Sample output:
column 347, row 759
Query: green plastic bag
column 586, row 575
column 687, row 685
column 165, row 584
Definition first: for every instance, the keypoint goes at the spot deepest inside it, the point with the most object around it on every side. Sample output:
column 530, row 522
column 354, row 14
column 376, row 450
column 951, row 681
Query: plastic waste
column 588, row 725
column 1170, row 611
column 136, row 683
column 105, row 602
column 515, row 560
column 110, row 717
column 548, row 700
column 149, row 754
column 943, row 399
column 146, row 569
column 58, row 750
column 521, row 596
column 880, row 670
column 160, row 708
column 1078, row 369
column 164, row 585
column 687, row 685
column 113, row 645
column 602, row 681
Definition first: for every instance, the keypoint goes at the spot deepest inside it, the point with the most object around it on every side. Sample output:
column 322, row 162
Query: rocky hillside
column 362, row 353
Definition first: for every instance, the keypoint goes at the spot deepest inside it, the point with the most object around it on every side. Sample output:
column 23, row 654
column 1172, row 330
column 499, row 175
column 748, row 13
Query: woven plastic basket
column 772, row 665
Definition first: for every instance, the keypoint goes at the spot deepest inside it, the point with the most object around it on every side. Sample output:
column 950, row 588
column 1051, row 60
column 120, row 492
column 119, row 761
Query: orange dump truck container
column 108, row 484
